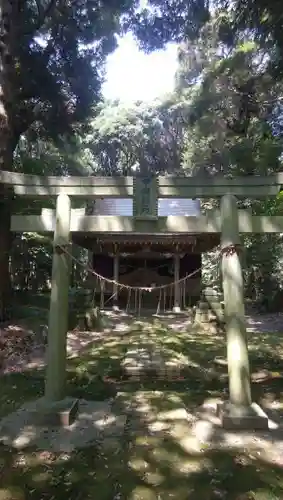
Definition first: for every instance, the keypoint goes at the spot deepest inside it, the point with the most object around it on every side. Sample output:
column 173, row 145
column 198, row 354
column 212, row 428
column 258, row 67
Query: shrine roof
column 107, row 242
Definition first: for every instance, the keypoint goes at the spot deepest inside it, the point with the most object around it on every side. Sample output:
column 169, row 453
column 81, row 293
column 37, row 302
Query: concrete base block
column 241, row 418
column 60, row 413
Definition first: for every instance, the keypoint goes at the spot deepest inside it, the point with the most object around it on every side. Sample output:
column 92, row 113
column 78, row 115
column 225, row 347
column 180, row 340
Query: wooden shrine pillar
column 90, row 259
column 176, row 308
column 116, row 279
column 59, row 300
column 239, row 412
column 102, row 290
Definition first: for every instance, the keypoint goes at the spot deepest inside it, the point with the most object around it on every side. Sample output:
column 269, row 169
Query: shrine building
column 147, row 259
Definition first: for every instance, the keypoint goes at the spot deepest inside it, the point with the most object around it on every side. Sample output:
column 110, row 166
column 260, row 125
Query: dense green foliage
column 224, row 116
column 57, row 51
column 52, row 55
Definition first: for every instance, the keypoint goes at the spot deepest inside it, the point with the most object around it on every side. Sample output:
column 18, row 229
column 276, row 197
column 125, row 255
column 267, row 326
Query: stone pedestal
column 202, row 313
column 243, row 418
column 176, row 309
column 210, row 307
column 57, row 414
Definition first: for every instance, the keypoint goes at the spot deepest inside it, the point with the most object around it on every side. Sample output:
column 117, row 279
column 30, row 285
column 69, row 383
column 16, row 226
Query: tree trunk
column 7, row 105
column 5, row 251
column 6, row 193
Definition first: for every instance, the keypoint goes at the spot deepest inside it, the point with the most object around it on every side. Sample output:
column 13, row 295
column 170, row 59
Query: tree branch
column 42, row 14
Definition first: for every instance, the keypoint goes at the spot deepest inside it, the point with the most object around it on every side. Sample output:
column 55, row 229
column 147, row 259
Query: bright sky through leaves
column 132, row 75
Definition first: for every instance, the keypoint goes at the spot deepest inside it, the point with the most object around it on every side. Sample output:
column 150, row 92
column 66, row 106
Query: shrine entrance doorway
column 149, row 269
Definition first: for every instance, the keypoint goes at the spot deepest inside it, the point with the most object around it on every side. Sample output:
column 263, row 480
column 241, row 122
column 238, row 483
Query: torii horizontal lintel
column 122, row 187
column 209, row 223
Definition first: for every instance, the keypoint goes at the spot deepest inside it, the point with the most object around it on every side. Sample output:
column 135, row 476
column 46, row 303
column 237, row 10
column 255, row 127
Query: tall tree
column 265, row 20
column 52, row 54
column 160, row 21
column 51, row 65
column 230, row 100
column 138, row 138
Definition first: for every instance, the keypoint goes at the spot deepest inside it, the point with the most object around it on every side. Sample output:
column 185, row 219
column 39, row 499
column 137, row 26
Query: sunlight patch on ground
column 95, row 422
column 171, row 444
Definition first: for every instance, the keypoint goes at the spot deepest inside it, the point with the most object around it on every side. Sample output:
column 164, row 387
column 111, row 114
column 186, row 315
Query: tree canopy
column 53, row 55
column 224, row 115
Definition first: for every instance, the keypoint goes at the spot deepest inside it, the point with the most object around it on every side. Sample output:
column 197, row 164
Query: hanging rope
column 130, row 287
column 109, row 299
column 138, row 290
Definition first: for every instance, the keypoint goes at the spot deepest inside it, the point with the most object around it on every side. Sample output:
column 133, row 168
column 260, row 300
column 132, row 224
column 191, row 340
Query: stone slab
column 148, row 362
column 232, row 419
column 62, row 413
column 96, row 421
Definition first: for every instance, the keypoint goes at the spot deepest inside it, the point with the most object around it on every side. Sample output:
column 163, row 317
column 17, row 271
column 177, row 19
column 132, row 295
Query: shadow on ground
column 164, row 453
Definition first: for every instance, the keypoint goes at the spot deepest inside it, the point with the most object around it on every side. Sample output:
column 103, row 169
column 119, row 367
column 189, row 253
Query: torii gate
column 229, row 222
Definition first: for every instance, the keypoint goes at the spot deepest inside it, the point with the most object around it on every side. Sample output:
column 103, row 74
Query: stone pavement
column 144, row 361
column 144, row 419
column 96, row 421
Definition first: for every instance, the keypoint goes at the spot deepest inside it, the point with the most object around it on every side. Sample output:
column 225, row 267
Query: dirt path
column 167, row 431
column 29, row 355
column 272, row 323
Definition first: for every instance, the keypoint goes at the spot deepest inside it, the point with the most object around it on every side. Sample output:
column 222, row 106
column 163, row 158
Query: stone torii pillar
column 240, row 412
column 58, row 314
column 57, row 408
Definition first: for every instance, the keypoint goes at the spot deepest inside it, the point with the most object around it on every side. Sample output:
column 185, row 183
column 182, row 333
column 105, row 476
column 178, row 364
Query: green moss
column 140, row 465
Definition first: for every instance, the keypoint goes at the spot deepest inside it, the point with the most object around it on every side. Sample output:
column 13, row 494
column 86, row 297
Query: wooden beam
column 209, row 223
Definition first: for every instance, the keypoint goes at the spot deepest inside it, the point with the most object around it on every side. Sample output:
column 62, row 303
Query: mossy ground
column 140, row 465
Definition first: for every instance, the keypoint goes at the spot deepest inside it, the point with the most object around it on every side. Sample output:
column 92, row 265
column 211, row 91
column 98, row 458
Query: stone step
column 148, row 362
